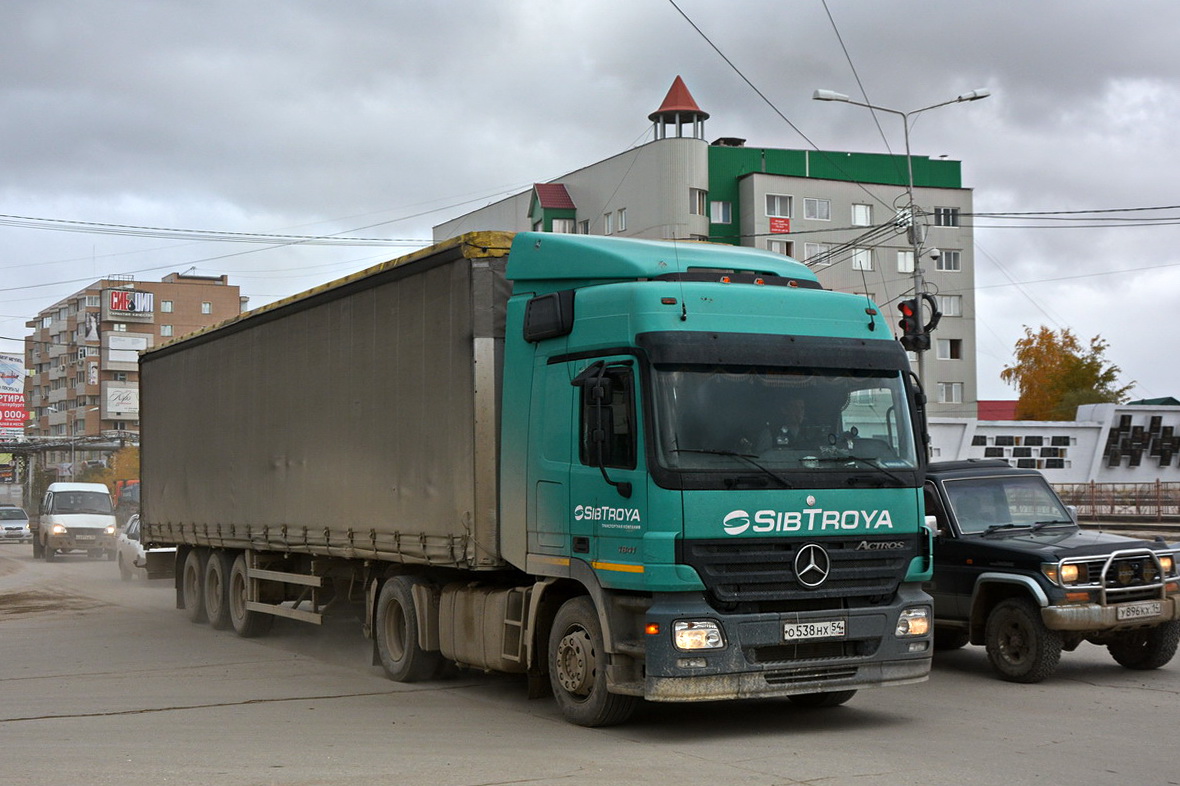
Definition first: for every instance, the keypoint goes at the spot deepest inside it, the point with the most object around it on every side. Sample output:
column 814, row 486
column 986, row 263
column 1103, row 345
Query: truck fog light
column 917, row 646
column 697, row 635
column 691, row 663
column 913, row 622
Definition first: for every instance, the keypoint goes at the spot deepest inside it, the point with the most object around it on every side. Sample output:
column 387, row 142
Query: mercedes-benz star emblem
column 812, row 566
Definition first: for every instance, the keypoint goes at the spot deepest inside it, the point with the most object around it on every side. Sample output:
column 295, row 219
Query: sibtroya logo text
column 807, row 520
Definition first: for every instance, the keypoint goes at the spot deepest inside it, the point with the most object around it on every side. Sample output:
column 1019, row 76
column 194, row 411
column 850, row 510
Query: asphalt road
column 105, row 682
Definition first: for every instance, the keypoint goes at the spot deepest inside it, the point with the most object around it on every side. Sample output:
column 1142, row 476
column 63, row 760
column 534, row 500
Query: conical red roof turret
column 678, row 102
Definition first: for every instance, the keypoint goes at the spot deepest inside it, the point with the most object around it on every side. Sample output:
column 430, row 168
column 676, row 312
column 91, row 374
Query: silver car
column 129, row 551
column 14, row 525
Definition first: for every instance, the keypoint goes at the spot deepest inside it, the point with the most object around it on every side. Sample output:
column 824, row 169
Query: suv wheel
column 1146, row 648
column 1019, row 645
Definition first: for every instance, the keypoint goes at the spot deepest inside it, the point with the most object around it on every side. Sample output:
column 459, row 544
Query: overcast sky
column 381, row 119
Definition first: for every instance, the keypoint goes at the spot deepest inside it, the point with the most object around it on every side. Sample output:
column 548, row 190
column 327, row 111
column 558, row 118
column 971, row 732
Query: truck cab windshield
column 709, row 419
column 81, row 502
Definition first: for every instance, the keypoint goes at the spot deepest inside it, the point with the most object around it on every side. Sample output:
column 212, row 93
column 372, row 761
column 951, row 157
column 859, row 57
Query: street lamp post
column 914, row 233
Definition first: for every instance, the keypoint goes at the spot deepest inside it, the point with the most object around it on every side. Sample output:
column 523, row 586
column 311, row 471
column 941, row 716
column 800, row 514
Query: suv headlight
column 697, row 635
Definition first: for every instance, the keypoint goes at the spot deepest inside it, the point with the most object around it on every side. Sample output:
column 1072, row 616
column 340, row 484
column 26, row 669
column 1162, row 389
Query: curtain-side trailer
column 641, row 469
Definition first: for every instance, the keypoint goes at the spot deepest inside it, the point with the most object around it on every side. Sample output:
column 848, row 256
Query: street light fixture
column 915, row 239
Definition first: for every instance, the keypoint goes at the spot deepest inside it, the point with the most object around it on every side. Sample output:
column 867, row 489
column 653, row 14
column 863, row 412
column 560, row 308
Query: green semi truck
column 627, row 469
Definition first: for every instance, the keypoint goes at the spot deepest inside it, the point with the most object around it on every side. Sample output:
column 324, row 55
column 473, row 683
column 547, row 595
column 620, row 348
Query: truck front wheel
column 396, row 632
column 1146, row 648
column 1019, row 645
column 192, row 584
column 577, row 668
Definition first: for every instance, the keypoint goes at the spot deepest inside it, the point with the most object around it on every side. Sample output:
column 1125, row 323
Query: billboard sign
column 128, row 305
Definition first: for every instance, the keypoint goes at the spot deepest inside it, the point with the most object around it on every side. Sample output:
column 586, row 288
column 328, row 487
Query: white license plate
column 84, row 537
column 1136, row 611
column 826, row 629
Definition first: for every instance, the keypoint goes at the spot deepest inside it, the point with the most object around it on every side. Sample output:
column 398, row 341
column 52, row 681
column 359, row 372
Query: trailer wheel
column 192, row 582
column 396, row 633
column 1146, row 648
column 216, row 588
column 818, row 700
column 577, row 668
column 246, row 623
column 1019, row 645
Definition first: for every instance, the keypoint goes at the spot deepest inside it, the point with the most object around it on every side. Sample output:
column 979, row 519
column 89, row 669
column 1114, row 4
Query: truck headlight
column 59, row 529
column 913, row 622
column 111, row 529
column 697, row 635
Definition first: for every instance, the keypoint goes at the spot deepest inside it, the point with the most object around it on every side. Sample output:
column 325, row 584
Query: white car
column 129, row 551
column 14, row 525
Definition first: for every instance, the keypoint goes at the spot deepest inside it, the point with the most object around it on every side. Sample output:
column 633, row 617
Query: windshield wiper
column 869, row 462
column 744, row 457
column 1052, row 522
column 998, row 527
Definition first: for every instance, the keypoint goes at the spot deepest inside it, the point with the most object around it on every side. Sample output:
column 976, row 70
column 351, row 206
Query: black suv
column 1013, row 571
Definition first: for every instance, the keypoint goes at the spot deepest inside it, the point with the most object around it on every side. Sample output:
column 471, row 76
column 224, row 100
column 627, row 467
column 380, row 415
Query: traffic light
column 910, row 324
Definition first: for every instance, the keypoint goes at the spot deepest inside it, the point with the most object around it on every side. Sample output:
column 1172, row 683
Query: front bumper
column 757, row 663
column 85, row 541
column 1096, row 617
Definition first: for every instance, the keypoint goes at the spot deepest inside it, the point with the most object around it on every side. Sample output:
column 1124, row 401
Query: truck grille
column 759, row 575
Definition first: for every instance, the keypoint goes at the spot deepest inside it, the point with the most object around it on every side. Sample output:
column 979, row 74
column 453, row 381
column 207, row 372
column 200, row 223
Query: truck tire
column 1146, row 648
column 817, row 700
column 1019, row 646
column 216, row 589
column 577, row 668
column 246, row 623
column 396, row 633
column 192, row 585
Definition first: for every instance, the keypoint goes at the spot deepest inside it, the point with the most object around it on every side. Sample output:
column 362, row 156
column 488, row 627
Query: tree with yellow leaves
column 1055, row 374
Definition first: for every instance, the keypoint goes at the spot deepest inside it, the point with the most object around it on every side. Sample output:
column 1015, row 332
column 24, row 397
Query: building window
column 120, row 376
column 47, row 320
column 165, row 330
column 207, row 307
column 721, row 212
column 950, row 261
column 951, row 393
column 950, row 305
column 622, row 215
column 584, row 227
column 946, row 216
column 564, row 226
column 165, row 306
column 905, row 261
column 778, row 205
column 862, row 259
column 698, row 201
column 784, row 247
column 120, row 327
column 93, row 301
column 608, row 223
column 862, row 215
column 817, row 253
column 950, row 348
column 817, row 209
